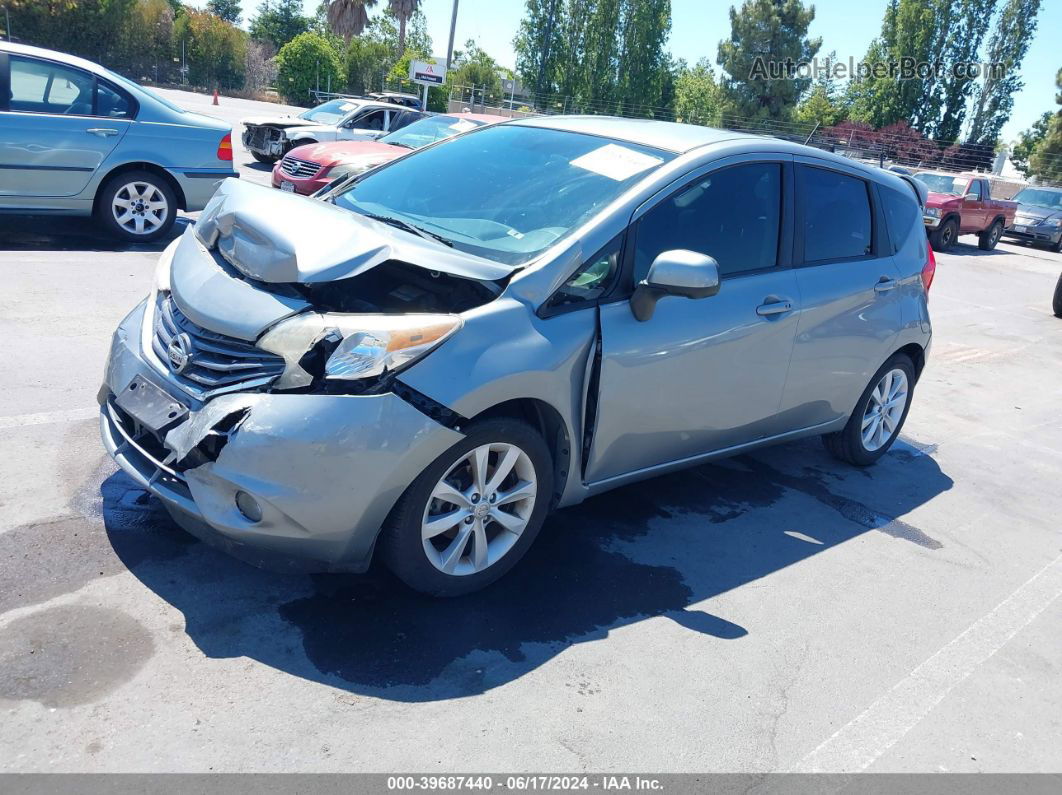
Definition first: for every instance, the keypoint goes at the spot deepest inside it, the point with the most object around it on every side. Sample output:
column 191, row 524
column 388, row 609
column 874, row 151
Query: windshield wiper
column 398, row 143
column 406, row 225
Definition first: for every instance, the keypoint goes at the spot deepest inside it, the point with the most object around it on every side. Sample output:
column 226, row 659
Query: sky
column 697, row 26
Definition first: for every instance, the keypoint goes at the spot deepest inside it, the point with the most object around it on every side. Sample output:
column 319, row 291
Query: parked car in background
column 962, row 204
column 268, row 138
column 307, row 169
column 397, row 98
column 428, row 361
column 1038, row 218
column 78, row 139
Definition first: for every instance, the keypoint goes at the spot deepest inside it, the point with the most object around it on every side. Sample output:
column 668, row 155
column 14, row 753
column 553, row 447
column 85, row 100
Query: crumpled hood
column 273, row 236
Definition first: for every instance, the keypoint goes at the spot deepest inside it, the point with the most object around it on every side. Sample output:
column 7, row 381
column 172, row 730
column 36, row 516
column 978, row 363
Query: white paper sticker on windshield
column 616, row 162
column 347, row 106
column 464, row 125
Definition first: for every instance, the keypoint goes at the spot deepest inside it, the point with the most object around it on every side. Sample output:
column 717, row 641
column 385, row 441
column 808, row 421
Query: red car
column 960, row 205
column 307, row 169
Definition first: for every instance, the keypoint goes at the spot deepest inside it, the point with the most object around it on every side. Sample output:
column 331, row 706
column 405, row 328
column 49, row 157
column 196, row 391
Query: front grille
column 216, row 362
column 302, row 169
column 261, row 136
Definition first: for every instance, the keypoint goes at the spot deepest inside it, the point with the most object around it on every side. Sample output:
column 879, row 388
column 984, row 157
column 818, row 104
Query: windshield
column 1048, row 199
column 136, row 87
column 505, row 193
column 942, row 183
column 330, row 112
column 425, row 131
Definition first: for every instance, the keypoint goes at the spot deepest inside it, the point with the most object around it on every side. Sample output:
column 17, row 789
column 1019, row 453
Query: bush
column 307, row 62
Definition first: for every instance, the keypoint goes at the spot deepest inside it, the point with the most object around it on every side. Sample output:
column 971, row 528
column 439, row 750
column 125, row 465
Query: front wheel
column 1056, row 303
column 264, row 158
column 986, row 241
column 472, row 514
column 878, row 417
column 138, row 206
column 943, row 237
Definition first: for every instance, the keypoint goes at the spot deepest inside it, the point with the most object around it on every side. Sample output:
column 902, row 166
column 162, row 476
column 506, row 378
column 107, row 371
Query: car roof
column 672, row 136
column 54, row 55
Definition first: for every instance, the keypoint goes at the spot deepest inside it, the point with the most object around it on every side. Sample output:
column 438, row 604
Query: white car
column 268, row 138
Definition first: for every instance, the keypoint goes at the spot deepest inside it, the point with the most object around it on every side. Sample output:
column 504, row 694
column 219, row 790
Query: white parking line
column 47, row 417
column 858, row 744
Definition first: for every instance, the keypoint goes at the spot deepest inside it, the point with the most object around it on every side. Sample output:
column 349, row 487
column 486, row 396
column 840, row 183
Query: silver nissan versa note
column 442, row 350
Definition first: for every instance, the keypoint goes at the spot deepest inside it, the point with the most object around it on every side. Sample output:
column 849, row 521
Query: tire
column 1056, row 302
column 987, row 240
column 421, row 562
column 849, row 445
column 1057, row 246
column 943, row 237
column 123, row 193
column 264, row 158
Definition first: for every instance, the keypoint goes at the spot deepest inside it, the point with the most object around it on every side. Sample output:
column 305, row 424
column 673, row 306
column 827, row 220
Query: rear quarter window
column 902, row 216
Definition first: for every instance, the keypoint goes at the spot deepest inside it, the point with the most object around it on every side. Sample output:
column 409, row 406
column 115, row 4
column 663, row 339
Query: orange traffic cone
column 215, row 96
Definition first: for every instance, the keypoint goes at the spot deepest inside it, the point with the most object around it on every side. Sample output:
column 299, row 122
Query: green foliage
column 698, row 98
column 994, row 99
column 309, row 61
column 229, row 10
column 775, row 29
column 1046, row 161
column 818, row 107
column 1028, row 141
column 472, row 66
column 279, row 21
column 92, row 29
column 215, row 49
column 539, row 45
column 366, row 64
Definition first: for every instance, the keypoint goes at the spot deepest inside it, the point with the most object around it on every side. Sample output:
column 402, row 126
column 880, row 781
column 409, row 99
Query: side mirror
column 675, row 272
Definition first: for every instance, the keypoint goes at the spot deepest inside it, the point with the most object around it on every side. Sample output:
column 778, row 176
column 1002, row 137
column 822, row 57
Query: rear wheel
column 986, row 241
column 137, row 205
column 473, row 513
column 943, row 237
column 1056, row 303
column 878, row 417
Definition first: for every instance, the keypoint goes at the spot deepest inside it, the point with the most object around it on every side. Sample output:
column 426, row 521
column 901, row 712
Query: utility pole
column 453, row 29
column 7, row 16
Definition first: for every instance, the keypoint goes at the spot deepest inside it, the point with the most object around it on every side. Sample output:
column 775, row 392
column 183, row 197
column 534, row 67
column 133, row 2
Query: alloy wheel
column 479, row 508
column 884, row 410
column 140, row 208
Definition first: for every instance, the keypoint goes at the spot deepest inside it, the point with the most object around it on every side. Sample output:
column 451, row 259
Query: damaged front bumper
column 323, row 470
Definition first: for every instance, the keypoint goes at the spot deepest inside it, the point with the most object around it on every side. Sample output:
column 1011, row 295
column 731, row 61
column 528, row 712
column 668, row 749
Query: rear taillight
column 929, row 269
column 225, row 148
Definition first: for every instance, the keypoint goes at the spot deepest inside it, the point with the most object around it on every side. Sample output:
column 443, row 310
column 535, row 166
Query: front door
column 51, row 143
column 708, row 374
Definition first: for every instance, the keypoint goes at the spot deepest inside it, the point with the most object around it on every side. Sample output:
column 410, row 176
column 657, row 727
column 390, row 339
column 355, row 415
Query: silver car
column 77, row 139
column 433, row 357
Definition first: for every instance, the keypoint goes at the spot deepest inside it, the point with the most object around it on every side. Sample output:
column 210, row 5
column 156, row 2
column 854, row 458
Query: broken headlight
column 352, row 347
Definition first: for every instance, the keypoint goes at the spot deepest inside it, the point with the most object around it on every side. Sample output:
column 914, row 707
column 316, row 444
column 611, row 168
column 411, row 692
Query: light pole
column 453, row 28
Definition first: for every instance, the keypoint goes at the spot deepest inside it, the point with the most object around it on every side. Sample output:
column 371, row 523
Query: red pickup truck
column 962, row 204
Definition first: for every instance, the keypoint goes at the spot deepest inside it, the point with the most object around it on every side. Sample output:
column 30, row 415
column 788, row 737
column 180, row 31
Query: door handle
column 774, row 308
column 102, row 132
column 884, row 285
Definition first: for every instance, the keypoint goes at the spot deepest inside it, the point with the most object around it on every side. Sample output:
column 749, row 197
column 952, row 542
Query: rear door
column 57, row 126
column 701, row 375
column 851, row 310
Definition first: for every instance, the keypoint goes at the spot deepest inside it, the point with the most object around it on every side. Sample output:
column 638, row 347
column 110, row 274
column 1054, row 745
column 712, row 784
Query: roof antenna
column 810, row 134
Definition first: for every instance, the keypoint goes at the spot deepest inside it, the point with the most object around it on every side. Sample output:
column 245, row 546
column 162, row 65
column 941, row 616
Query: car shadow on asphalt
column 963, row 249
column 657, row 549
column 69, row 233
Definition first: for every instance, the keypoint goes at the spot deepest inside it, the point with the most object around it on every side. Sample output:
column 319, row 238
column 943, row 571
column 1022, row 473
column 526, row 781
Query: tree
column 228, row 10
column 147, row 38
column 308, row 62
column 403, row 10
column 279, row 21
column 539, row 44
column 969, row 23
column 89, row 28
column 260, row 69
column 1027, row 143
column 367, row 61
column 698, row 98
column 348, row 18
column 643, row 62
column 994, row 98
column 474, row 67
column 818, row 108
column 766, row 29
column 1046, row 161
column 216, row 51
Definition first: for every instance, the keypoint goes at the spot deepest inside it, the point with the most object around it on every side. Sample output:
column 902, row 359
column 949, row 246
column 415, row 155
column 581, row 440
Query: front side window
column 592, row 281
column 974, row 191
column 374, row 120
column 732, row 215
column 836, row 209
column 505, row 193
column 45, row 87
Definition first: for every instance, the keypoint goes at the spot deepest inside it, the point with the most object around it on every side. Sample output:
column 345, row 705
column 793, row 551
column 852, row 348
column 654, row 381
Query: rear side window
column 733, row 215
column 113, row 103
column 836, row 209
column 902, row 216
column 45, row 87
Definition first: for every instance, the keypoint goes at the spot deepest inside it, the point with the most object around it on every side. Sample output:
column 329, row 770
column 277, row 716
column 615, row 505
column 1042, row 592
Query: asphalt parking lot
column 778, row 611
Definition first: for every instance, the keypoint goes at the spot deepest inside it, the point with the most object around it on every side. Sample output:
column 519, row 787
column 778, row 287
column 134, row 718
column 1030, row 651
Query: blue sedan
column 78, row 139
